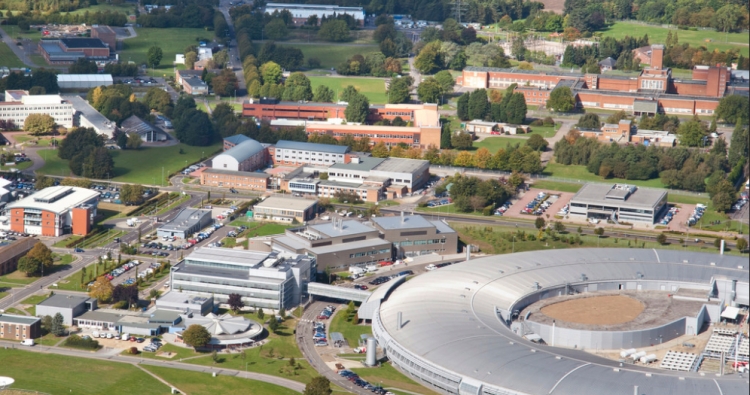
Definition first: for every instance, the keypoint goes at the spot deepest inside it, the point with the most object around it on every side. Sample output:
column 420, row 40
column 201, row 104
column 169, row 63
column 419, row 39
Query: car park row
column 119, row 271
column 354, row 378
column 540, row 204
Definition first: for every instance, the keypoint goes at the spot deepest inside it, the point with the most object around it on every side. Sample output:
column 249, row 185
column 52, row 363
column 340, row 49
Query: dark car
column 79, row 250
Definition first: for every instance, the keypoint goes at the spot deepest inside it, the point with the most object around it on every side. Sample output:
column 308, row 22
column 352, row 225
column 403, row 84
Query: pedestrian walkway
column 158, row 378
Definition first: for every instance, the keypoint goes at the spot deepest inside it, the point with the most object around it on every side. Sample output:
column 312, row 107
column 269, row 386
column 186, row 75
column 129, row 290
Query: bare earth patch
column 603, row 310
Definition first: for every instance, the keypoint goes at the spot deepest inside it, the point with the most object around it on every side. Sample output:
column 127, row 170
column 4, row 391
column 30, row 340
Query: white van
column 28, row 342
column 430, row 267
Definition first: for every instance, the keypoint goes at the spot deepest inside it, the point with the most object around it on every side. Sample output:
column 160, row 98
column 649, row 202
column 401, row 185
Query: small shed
column 338, row 339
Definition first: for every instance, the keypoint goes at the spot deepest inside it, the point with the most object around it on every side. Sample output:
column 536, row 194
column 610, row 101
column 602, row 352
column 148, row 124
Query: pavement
column 18, row 50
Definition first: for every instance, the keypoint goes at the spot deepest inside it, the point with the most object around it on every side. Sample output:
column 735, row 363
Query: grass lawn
column 172, row 41
column 350, row 330
column 32, row 371
column 9, row 58
column 495, row 143
column 197, row 383
column 373, row 88
column 126, row 8
column 179, row 352
column 62, row 243
column 446, row 209
column 332, row 55
column 579, row 173
column 545, row 131
column 19, row 278
column 710, row 39
column 388, row 377
column 48, row 340
column 73, row 282
column 143, row 166
column 20, row 166
column 557, row 186
column 33, row 141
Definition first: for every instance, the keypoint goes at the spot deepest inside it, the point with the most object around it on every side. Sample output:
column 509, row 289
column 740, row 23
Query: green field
column 658, row 35
column 196, row 383
column 172, row 41
column 126, row 9
column 332, row 55
column 579, row 173
column 373, row 88
column 54, row 374
column 446, row 209
column 388, row 377
column 350, row 330
column 143, row 166
column 32, row 140
column 495, row 143
column 557, row 186
column 9, row 59
column 545, row 131
column 18, row 278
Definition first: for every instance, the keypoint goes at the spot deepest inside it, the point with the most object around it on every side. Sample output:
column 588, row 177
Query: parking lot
column 561, row 200
column 680, row 218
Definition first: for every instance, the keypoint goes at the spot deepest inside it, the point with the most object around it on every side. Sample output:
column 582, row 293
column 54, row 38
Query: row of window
column 420, row 242
column 368, row 253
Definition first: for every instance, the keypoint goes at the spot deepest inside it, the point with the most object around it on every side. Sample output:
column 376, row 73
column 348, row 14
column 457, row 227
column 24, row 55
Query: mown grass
column 373, row 88
column 9, row 59
column 171, row 41
column 493, row 144
column 388, row 377
column 332, row 55
column 557, row 186
column 197, row 383
column 579, row 173
column 349, row 329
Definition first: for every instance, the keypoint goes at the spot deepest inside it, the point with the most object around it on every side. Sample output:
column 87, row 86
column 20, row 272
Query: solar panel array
column 720, row 342
column 675, row 360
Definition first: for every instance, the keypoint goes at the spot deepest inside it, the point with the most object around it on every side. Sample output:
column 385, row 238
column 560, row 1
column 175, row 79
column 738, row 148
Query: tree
column 131, row 193
column 478, row 104
column 348, row 94
column 159, row 100
column 102, row 289
column 518, row 49
column 691, row 133
column 221, row 58
column 273, row 324
column 515, row 109
column 318, row 386
column 261, row 314
column 225, row 83
column 194, row 128
column 733, row 108
column 728, row 18
column 741, row 244
column 429, row 58
column 276, row 29
column 357, row 109
column 429, row 91
column 29, row 266
column 540, row 223
column 462, row 141
column 235, row 302
column 39, row 124
column 334, row 30
column 599, row 231
column 297, row 87
column 561, row 100
column 43, row 181
column 42, row 254
column 83, row 66
column 271, row 72
column 190, row 59
column 462, row 107
column 446, row 81
column 589, row 121
column 379, row 150
column 196, row 336
column 57, row 327
column 154, row 56
column 323, row 94
column 125, row 293
column 134, row 141
column 559, row 227
column 399, row 90
column 661, row 238
column 537, row 142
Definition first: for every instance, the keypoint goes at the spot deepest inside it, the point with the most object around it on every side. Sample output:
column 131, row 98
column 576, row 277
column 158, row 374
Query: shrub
column 537, row 122
column 123, row 304
column 76, row 341
column 133, row 351
column 548, row 121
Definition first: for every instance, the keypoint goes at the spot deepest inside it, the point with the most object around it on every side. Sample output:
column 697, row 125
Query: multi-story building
column 301, row 12
column 300, row 153
column 653, row 90
column 624, row 203
column 106, row 34
column 336, row 245
column 285, row 209
column 414, row 235
column 68, row 50
column 19, row 104
column 246, row 180
column 53, row 211
column 194, row 86
column 19, row 327
column 423, row 120
column 272, row 280
column 249, row 155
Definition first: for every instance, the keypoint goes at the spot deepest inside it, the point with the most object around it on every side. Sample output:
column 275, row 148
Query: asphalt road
column 290, row 384
column 234, row 52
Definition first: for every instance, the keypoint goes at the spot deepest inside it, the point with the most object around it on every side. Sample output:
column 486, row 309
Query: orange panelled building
column 324, row 118
column 54, row 211
column 652, row 90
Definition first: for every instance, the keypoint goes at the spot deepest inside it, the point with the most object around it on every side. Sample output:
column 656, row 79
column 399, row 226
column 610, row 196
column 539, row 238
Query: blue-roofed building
column 302, row 153
column 249, row 155
column 231, row 141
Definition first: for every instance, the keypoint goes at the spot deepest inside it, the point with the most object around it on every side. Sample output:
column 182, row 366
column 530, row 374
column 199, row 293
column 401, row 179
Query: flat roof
column 186, row 219
column 160, row 315
column 350, row 227
column 99, row 121
column 225, row 273
column 280, row 202
column 18, row 319
column 253, row 174
column 79, row 42
column 227, row 255
column 401, row 165
column 405, row 222
column 63, row 301
column 619, row 195
column 99, row 316
column 303, row 146
column 103, row 78
column 365, row 164
column 57, row 199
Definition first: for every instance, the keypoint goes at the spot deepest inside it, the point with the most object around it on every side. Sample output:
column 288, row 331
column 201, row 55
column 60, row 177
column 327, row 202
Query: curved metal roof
column 450, row 322
column 244, row 150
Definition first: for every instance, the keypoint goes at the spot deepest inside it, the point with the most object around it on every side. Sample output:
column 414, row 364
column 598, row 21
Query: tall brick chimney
column 657, row 56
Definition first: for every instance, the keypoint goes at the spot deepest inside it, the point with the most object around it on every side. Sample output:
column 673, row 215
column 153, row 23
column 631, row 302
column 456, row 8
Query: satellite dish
column 6, row 382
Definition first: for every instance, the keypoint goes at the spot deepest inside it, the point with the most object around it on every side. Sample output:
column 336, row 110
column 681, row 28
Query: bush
column 537, row 122
column 76, row 341
column 123, row 304
column 548, row 121
column 487, row 211
column 133, row 351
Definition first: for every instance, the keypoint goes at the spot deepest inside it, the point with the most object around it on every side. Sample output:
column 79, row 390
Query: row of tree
column 87, row 157
column 498, row 106
column 41, row 81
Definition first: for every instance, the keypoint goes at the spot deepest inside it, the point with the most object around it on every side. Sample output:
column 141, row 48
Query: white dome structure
column 226, row 330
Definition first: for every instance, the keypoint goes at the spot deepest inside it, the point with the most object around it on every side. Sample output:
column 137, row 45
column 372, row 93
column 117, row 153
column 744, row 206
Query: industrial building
column 231, row 141
column 187, row 222
column 301, row 153
column 336, row 245
column 326, row 119
column 300, row 12
column 249, row 155
column 267, row 280
column 69, row 306
column 414, row 235
column 19, row 104
column 247, row 180
column 69, row 50
column 285, row 209
column 412, row 174
column 19, row 327
column 454, row 330
column 653, row 90
column 83, row 81
column 106, row 34
column 86, row 116
column 626, row 203
column 53, row 211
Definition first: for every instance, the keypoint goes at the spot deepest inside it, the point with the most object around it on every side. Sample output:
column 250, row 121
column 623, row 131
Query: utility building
column 619, row 202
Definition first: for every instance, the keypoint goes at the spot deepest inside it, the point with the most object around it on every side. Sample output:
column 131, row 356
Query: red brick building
column 68, row 50
column 653, row 90
column 54, row 211
column 106, row 34
column 19, row 327
column 253, row 181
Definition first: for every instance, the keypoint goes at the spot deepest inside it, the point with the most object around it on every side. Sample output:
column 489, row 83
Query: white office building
column 19, row 104
column 300, row 12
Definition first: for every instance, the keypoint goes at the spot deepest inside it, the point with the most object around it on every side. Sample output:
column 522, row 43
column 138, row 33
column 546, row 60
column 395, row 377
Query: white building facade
column 53, row 105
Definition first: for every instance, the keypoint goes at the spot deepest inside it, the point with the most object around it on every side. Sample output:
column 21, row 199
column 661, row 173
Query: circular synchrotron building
column 460, row 329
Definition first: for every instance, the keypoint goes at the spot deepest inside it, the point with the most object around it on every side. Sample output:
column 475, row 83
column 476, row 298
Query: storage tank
column 638, row 355
column 626, row 353
column 648, row 358
column 371, row 359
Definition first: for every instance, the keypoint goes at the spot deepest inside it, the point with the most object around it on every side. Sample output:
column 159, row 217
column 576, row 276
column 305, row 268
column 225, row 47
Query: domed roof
column 244, row 150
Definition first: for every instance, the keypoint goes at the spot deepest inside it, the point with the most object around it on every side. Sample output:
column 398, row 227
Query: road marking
column 566, row 375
